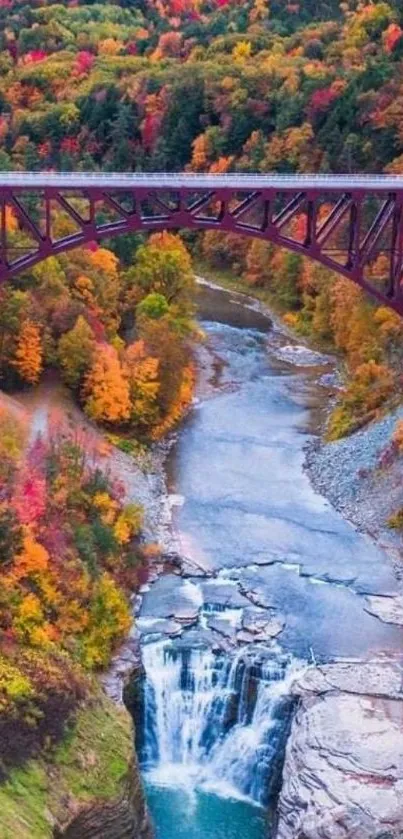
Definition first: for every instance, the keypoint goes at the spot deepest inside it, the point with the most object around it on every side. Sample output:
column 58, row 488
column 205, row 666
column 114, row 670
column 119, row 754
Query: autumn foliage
column 70, row 556
column 28, row 353
column 106, row 388
column 199, row 85
column 203, row 85
column 105, row 328
column 119, row 335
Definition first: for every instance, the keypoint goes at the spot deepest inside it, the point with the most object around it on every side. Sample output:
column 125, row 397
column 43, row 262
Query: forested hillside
column 165, row 84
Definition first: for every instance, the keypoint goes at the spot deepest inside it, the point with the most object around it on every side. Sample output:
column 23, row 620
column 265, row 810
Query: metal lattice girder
column 350, row 224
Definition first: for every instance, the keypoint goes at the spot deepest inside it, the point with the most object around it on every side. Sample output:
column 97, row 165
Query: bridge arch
column 343, row 223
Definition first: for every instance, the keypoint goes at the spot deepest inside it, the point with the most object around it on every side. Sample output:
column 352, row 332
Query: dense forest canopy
column 218, row 85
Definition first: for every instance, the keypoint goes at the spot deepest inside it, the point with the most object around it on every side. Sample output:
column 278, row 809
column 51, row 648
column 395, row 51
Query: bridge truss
column 351, row 225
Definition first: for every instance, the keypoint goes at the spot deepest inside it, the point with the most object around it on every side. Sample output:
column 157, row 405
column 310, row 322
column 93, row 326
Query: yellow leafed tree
column 242, row 52
column 142, row 371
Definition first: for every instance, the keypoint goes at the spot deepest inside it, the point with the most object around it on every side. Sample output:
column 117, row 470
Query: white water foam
column 209, row 722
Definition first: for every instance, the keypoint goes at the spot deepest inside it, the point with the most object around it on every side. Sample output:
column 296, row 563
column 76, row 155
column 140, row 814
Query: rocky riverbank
column 362, row 477
column 350, row 474
column 345, row 471
column 343, row 771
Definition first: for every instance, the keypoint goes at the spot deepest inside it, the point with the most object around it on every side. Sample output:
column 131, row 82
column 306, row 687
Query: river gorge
column 270, row 699
column 272, row 581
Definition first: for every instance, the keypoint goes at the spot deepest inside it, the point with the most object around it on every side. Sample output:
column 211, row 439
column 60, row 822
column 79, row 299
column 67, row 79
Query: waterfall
column 213, row 721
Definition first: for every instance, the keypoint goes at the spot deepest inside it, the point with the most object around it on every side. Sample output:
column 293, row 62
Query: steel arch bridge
column 350, row 224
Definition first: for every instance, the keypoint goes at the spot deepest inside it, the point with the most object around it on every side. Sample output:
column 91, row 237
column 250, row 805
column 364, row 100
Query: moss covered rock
column 89, row 787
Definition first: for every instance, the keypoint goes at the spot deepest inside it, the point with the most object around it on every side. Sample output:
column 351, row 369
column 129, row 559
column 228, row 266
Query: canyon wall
column 343, row 771
column 124, row 817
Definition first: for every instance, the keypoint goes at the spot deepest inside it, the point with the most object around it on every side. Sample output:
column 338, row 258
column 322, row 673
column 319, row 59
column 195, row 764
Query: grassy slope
column 90, row 764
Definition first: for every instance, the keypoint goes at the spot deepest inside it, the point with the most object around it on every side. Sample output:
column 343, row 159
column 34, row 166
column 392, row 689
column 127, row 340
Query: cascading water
column 212, row 722
column 247, row 754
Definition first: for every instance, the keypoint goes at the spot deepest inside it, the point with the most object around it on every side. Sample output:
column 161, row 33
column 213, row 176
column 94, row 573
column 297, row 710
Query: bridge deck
column 171, row 180
column 344, row 222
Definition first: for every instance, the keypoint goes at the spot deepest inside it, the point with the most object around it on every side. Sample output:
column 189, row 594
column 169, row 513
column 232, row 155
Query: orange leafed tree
column 354, row 331
column 105, row 260
column 201, row 152
column 222, row 165
column 11, row 220
column 109, row 46
column 106, row 388
column 28, row 359
column 33, row 560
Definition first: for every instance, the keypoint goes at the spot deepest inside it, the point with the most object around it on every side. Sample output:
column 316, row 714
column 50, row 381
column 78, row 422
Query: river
column 274, row 579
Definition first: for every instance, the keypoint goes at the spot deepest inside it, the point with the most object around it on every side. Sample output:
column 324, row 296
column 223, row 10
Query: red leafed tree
column 170, row 44
column 30, row 498
column 322, row 99
column 392, row 36
column 70, row 145
column 84, row 62
column 181, row 7
column 35, row 56
column 149, row 129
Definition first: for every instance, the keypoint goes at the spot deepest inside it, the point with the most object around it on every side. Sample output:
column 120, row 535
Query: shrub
column 396, row 520
column 370, row 386
column 38, row 693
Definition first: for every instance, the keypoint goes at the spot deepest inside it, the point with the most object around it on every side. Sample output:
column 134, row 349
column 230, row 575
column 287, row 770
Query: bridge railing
column 176, row 179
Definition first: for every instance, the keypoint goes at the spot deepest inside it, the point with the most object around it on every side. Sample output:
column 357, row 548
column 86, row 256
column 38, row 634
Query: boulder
column 172, row 597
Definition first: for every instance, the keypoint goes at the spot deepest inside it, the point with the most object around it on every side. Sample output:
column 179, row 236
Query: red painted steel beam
column 230, row 198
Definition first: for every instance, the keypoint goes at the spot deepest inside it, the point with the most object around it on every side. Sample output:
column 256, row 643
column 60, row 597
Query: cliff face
column 124, row 817
column 108, row 802
column 89, row 787
column 343, row 772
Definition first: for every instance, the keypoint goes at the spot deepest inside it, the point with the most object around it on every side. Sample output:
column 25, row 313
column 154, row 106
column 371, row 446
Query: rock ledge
column 343, row 771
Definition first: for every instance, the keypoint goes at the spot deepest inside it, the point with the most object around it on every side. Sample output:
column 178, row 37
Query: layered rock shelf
column 343, row 771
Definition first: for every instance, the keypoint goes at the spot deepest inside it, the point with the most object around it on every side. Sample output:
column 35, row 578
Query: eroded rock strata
column 125, row 817
column 343, row 771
